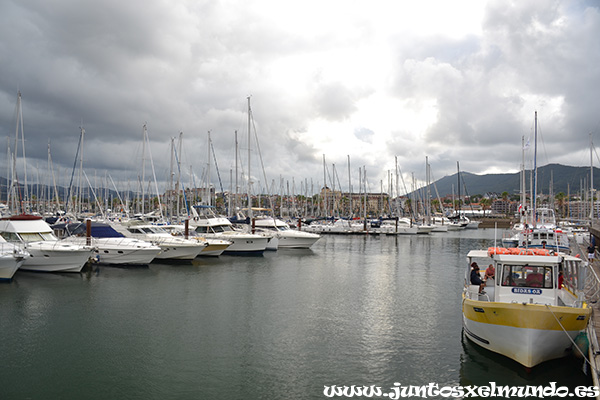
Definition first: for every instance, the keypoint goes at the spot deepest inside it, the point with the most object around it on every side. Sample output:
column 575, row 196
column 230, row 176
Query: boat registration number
column 526, row 291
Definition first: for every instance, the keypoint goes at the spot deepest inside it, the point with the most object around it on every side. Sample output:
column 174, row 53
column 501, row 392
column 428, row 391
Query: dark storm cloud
column 353, row 82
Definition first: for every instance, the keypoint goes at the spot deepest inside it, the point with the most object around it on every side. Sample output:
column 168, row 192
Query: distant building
column 504, row 207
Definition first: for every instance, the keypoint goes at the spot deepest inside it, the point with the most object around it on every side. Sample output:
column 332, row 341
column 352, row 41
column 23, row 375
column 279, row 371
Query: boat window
column 48, row 236
column 10, row 237
column 202, row 229
column 570, row 274
column 527, row 276
column 31, row 237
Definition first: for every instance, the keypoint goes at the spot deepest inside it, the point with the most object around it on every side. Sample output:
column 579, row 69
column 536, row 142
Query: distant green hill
column 565, row 178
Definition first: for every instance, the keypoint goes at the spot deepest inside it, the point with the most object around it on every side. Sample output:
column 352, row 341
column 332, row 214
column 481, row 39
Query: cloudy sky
column 454, row 81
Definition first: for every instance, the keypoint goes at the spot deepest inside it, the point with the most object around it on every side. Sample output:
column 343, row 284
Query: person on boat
column 561, row 279
column 490, row 272
column 591, row 252
column 476, row 277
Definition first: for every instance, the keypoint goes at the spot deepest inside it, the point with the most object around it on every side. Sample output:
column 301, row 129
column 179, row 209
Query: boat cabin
column 528, row 276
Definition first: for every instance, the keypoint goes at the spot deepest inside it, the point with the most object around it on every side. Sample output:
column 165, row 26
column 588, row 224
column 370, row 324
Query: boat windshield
column 10, row 237
column 221, row 228
column 36, row 236
column 48, row 236
column 527, row 276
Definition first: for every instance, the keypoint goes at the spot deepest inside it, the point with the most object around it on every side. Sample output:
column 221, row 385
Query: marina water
column 352, row 310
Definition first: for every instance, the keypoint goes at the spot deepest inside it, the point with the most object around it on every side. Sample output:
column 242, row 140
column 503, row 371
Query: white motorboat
column 172, row 247
column 399, row 226
column 339, row 226
column 543, row 233
column 214, row 247
column 211, row 226
column 424, row 229
column 11, row 258
column 111, row 247
column 528, row 312
column 472, row 224
column 287, row 237
column 450, row 224
column 46, row 252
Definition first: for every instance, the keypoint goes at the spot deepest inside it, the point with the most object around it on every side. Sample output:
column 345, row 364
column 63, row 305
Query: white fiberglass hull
column 296, row 239
column 424, row 229
column 215, row 248
column 456, row 227
column 58, row 257
column 120, row 251
column 178, row 252
column 9, row 264
column 402, row 230
column 243, row 243
column 528, row 334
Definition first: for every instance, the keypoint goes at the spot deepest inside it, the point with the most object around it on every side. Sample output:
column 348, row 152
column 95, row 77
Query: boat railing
column 15, row 249
column 592, row 286
column 472, row 293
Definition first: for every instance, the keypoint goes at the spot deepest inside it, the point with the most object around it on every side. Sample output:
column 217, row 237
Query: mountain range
column 562, row 178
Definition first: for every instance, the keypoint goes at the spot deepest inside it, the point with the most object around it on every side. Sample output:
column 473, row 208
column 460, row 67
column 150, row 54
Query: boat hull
column 242, row 243
column 120, row 251
column 526, row 333
column 56, row 259
column 119, row 256
column 178, row 252
column 297, row 239
column 8, row 266
column 214, row 249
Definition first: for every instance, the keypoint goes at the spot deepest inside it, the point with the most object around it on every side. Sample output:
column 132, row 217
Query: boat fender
column 582, row 342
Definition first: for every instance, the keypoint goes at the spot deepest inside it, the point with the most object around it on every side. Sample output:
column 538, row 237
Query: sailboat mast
column 249, row 176
column 324, row 188
column 523, row 189
column 171, row 186
column 591, row 181
column 349, row 189
column 237, row 186
column 208, row 195
column 80, row 184
column 142, row 183
column 428, row 192
column 534, row 193
column 25, row 186
column 458, row 182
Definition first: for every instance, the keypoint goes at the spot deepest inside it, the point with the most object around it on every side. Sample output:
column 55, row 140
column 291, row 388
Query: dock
column 592, row 291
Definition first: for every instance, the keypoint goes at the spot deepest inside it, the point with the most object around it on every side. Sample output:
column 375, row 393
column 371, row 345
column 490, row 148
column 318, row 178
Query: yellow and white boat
column 523, row 314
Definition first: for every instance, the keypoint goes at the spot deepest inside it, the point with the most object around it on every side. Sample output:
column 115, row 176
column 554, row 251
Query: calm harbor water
column 352, row 310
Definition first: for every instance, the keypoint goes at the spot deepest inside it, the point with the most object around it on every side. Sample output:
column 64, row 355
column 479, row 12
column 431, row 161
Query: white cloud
column 455, row 81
